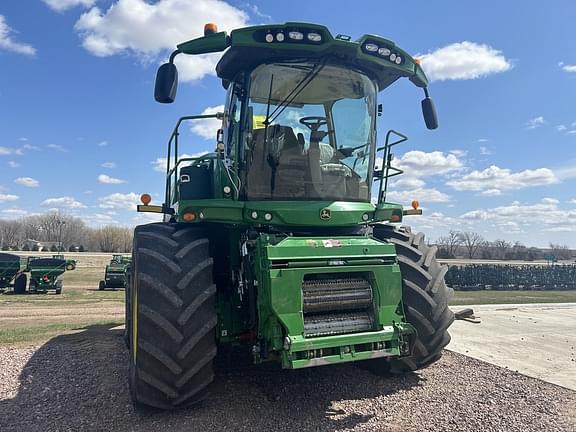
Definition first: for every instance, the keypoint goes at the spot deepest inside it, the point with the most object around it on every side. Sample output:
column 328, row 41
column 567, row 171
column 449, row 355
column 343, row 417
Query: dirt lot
column 63, row 367
column 77, row 382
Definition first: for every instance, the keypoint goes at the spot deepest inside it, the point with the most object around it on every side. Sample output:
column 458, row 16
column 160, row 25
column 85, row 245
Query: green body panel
column 44, row 272
column 247, row 38
column 8, row 271
column 211, row 43
column 282, row 265
column 287, row 213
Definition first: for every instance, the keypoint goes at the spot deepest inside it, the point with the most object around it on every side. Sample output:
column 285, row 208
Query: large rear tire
column 425, row 297
column 173, row 317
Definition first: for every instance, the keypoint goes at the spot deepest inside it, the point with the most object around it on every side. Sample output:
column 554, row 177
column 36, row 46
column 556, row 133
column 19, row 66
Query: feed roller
column 330, row 295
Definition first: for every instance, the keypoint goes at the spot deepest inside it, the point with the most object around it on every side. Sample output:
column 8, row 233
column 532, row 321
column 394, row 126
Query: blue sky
column 80, row 132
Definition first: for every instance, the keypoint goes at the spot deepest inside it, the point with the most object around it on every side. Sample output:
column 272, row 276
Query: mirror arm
column 173, row 55
column 426, row 94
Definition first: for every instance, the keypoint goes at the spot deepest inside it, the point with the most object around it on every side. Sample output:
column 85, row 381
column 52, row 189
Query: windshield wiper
column 308, row 78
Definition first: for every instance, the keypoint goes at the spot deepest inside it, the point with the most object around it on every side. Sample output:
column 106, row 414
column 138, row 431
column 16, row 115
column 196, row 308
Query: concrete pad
column 537, row 340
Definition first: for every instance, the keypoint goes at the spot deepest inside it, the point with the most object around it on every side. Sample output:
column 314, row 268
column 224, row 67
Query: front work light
column 370, row 47
column 314, row 37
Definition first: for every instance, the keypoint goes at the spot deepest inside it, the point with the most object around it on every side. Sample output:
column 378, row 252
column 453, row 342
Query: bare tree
column 472, row 241
column 501, row 248
column 448, row 245
column 562, row 252
column 112, row 239
column 10, row 233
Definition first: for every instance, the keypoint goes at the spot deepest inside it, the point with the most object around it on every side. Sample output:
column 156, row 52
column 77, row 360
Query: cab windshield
column 310, row 134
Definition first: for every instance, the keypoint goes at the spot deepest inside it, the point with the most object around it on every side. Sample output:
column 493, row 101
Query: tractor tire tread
column 175, row 307
column 425, row 297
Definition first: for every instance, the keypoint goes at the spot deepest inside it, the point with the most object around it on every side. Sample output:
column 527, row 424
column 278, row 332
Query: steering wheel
column 313, row 122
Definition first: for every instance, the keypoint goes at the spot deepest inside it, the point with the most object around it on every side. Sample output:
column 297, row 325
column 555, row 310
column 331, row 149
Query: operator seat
column 292, row 166
column 277, row 166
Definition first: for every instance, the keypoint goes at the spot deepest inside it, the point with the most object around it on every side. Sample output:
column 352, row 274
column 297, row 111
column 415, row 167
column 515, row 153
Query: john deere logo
column 325, row 214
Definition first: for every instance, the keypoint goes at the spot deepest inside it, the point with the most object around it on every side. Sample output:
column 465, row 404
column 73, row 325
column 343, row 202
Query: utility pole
column 61, row 223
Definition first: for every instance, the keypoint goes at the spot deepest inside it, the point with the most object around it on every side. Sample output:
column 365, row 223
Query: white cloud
column 424, row 195
column 151, row 30
column 463, row 60
column 105, row 179
column 458, row 153
column 519, row 217
column 8, row 197
column 13, row 164
column 567, row 67
column 561, row 128
column 485, row 151
column 14, row 212
column 62, row 202
column 160, row 163
column 5, row 151
column 62, row 5
column 407, row 183
column 30, row 147
column 417, row 163
column 8, row 44
column 102, row 144
column 127, row 201
column 99, row 219
column 572, row 201
column 27, row 181
column 207, row 128
column 491, row 192
column 57, row 147
column 108, row 165
column 495, row 179
column 535, row 122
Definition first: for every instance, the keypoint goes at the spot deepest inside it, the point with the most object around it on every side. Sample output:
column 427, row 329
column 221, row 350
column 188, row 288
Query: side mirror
column 166, row 83
column 429, row 113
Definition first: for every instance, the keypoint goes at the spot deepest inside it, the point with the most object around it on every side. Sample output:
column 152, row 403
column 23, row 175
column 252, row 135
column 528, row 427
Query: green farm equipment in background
column 12, row 273
column 44, row 273
column 115, row 275
column 281, row 241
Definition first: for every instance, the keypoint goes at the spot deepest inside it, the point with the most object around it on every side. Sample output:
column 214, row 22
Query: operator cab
column 307, row 132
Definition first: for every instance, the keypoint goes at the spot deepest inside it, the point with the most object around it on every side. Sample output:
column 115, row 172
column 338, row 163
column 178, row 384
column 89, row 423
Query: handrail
column 387, row 163
column 174, row 139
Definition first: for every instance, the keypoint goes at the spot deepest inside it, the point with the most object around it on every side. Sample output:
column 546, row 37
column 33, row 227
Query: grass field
column 510, row 297
column 43, row 332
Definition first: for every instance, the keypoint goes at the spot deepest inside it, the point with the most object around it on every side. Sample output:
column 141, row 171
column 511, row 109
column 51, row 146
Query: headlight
column 269, row 38
column 392, row 57
column 398, row 60
column 370, row 47
column 280, row 37
column 385, row 52
column 296, row 35
column 314, row 37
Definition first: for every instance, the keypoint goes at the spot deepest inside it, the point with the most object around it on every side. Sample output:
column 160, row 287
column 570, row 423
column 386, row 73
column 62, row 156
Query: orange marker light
column 145, row 198
column 417, row 61
column 210, row 28
column 415, row 204
column 189, row 217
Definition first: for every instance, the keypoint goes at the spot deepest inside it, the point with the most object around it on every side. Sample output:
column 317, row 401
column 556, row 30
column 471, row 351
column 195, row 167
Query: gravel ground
column 77, row 382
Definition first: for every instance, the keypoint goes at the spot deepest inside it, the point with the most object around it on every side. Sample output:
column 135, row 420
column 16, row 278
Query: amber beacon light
column 145, row 198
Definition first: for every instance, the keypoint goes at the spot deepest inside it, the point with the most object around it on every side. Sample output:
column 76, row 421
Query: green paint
column 309, row 218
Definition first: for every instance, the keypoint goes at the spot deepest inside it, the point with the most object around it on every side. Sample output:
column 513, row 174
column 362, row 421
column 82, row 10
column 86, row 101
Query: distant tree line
column 62, row 232
column 469, row 244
